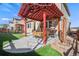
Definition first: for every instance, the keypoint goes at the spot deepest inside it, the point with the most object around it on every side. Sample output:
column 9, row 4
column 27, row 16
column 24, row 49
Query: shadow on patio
column 73, row 50
column 32, row 53
column 9, row 37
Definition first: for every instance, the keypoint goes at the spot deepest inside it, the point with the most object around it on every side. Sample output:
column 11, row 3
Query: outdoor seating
column 51, row 32
column 37, row 34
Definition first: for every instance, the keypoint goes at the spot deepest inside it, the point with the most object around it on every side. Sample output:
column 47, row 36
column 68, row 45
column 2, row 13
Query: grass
column 48, row 51
column 10, row 36
column 18, row 35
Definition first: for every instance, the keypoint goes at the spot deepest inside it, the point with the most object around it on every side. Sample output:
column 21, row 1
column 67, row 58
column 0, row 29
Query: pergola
column 41, row 12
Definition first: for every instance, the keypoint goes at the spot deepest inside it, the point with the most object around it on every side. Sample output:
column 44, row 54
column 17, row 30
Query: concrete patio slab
column 26, row 44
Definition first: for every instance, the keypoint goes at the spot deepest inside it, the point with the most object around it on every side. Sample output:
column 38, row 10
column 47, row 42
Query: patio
column 26, row 44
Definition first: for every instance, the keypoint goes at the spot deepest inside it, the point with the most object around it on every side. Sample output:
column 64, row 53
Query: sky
column 74, row 11
column 10, row 10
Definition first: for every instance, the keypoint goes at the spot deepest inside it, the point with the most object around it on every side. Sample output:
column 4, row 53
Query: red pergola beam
column 23, row 7
column 44, row 29
column 24, row 28
column 34, row 9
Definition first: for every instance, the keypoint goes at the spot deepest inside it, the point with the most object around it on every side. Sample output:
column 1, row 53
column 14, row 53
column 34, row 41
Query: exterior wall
column 66, row 25
column 64, row 11
column 66, row 16
column 30, row 26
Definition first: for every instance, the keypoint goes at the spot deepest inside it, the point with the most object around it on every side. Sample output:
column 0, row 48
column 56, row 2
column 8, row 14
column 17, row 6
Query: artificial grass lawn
column 10, row 36
column 18, row 35
column 47, row 51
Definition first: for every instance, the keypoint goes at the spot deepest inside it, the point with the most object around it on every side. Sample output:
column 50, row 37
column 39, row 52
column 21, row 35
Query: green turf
column 48, row 51
column 18, row 35
column 10, row 36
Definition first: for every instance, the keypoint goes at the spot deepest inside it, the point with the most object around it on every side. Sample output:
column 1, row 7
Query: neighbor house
column 16, row 25
column 74, row 28
column 4, row 28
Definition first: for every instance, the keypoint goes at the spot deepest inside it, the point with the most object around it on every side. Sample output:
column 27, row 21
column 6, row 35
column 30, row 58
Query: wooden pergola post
column 25, row 30
column 63, row 29
column 58, row 24
column 44, row 29
column 59, row 34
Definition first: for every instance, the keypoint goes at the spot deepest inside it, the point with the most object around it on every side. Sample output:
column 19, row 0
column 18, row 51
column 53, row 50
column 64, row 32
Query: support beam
column 63, row 29
column 24, row 22
column 44, row 29
column 59, row 32
column 58, row 24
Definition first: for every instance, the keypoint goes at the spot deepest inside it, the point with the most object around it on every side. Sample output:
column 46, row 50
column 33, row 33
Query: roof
column 35, row 11
column 16, row 19
column 67, row 9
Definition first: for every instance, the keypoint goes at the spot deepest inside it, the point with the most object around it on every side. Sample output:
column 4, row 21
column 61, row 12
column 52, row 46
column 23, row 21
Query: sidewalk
column 25, row 44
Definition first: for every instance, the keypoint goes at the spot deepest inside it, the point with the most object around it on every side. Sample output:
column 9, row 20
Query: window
column 29, row 25
column 50, row 24
column 46, row 24
column 11, row 28
column 54, row 23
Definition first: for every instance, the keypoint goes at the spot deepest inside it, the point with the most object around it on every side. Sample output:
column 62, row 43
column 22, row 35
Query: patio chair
column 51, row 32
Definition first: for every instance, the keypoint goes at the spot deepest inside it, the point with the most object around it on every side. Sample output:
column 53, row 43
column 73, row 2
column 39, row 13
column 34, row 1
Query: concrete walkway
column 25, row 44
